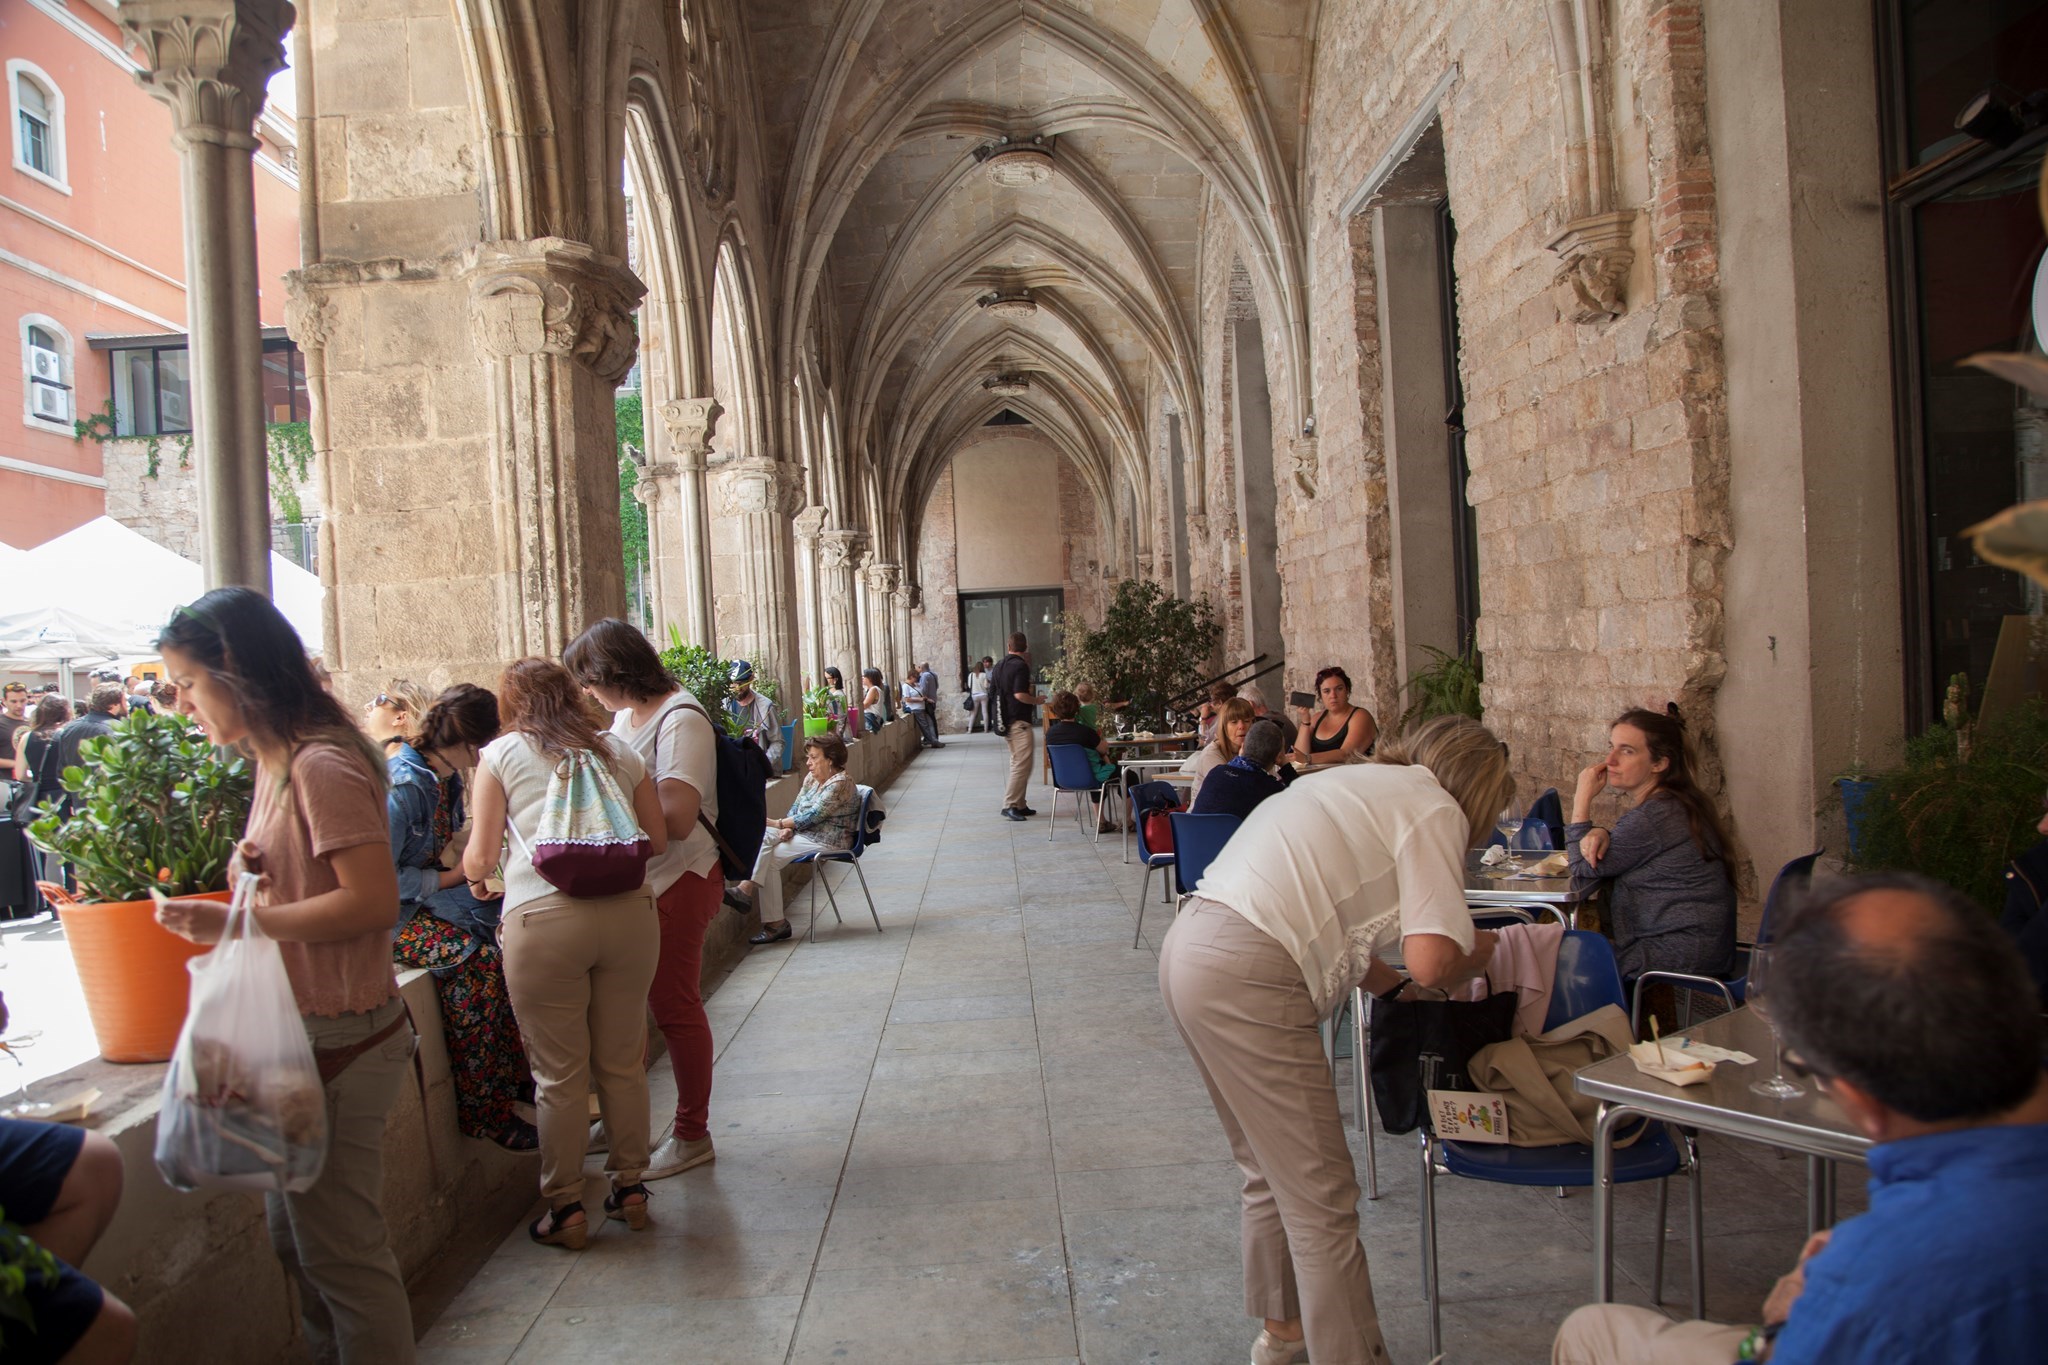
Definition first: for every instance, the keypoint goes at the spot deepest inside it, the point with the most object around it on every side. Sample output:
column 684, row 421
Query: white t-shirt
column 523, row 771
column 1341, row 868
column 678, row 744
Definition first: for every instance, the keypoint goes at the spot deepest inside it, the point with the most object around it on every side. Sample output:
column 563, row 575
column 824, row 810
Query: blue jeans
column 454, row 905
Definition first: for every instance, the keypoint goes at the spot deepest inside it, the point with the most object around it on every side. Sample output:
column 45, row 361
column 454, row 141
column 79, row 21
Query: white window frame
column 58, row 177
column 66, row 352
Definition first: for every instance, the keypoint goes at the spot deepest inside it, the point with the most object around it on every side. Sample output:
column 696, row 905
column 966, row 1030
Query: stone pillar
column 837, row 553
column 680, row 548
column 554, row 319
column 902, row 601
column 808, row 526
column 882, row 580
column 209, row 62
column 762, row 493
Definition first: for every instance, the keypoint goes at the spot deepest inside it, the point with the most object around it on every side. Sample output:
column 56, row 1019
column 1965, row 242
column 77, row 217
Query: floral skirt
column 484, row 1048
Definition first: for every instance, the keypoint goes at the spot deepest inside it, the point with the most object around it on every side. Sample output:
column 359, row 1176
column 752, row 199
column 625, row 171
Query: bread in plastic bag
column 243, row 1104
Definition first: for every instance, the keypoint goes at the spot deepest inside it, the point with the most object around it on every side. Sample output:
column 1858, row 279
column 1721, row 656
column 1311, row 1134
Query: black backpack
column 743, row 773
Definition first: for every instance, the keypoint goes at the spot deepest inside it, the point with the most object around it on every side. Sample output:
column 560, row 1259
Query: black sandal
column 633, row 1216
column 559, row 1233
column 517, row 1136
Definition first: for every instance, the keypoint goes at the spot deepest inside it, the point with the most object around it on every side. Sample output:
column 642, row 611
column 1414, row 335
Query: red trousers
column 686, row 910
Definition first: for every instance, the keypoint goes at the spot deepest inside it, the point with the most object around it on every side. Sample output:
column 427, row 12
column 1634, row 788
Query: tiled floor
column 975, row 1138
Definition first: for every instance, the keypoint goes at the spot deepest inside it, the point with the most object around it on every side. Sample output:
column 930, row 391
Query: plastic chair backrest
column 1197, row 839
column 1545, row 817
column 860, row 820
column 1587, row 978
column 1070, row 769
column 1792, row 878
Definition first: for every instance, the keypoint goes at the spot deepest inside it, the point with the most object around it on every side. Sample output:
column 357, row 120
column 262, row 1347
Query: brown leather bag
column 1535, row 1076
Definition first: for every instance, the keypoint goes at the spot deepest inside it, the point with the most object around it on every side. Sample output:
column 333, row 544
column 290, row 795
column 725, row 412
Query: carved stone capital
column 839, row 550
column 654, row 481
column 810, row 523
column 209, row 61
column 1596, row 252
column 1302, row 463
column 756, row 484
column 883, row 578
column 557, row 297
column 691, row 423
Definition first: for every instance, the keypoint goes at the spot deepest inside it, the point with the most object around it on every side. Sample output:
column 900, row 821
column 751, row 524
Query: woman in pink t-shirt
column 329, row 896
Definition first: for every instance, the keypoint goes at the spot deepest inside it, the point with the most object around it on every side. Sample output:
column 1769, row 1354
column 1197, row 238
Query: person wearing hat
column 756, row 712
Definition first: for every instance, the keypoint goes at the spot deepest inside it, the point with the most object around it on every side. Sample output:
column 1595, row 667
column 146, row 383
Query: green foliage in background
column 1961, row 821
column 709, row 678
column 632, row 515
column 1449, row 686
column 20, row 1258
column 1150, row 647
column 290, row 447
column 155, row 803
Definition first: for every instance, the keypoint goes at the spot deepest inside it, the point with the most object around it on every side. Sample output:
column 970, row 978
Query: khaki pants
column 1019, row 735
column 332, row 1238
column 767, row 878
column 1247, row 1018
column 1616, row 1334
column 579, row 972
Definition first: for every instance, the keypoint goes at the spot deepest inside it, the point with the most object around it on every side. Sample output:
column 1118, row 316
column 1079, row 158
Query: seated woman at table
column 1340, row 732
column 1210, row 713
column 1670, row 886
column 1232, row 718
column 1236, row 787
column 1315, row 892
column 1066, row 727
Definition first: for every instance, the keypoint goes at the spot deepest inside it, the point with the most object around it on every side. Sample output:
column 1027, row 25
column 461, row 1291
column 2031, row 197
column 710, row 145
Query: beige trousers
column 775, row 851
column 578, row 972
column 1019, row 736
column 332, row 1238
column 1617, row 1334
column 1246, row 1016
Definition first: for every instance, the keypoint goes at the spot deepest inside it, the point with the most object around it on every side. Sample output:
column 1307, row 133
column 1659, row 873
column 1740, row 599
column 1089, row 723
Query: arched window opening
column 46, row 376
column 38, row 123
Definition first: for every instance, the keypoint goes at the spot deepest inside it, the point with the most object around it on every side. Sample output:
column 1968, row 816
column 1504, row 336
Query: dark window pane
column 134, row 393
column 174, row 389
column 1951, row 51
column 277, row 385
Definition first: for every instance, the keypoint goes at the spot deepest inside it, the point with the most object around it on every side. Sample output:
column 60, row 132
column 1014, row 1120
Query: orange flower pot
column 132, row 971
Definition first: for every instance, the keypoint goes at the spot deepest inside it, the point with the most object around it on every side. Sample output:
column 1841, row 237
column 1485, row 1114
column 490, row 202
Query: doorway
column 988, row 619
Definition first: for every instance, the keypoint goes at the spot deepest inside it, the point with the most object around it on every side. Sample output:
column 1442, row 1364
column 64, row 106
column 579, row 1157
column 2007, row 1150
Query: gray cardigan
column 1668, row 908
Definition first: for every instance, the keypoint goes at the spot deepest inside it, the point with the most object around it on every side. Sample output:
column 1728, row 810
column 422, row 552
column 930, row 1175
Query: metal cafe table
column 1531, row 893
column 1812, row 1123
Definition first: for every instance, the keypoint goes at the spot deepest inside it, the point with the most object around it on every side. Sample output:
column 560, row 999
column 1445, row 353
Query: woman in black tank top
column 1354, row 733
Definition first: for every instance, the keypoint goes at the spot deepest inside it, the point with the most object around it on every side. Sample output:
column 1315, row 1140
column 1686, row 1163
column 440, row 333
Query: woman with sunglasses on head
column 329, row 895
column 444, row 928
column 1340, row 732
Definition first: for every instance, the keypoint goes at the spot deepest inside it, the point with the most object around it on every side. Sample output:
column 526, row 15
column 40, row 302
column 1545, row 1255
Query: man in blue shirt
column 1905, row 1003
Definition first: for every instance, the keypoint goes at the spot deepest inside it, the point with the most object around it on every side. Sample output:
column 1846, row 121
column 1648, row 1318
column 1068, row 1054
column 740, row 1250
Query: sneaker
column 675, row 1155
column 1271, row 1350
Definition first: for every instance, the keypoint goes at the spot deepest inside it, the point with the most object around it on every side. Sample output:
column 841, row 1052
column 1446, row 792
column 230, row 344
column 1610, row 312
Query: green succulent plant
column 153, row 803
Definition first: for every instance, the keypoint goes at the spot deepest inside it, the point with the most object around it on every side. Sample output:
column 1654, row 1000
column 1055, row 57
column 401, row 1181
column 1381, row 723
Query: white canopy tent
column 53, row 635
column 109, row 573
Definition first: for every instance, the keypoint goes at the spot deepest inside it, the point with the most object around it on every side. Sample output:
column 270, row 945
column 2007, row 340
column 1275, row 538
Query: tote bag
column 587, row 842
column 1427, row 1044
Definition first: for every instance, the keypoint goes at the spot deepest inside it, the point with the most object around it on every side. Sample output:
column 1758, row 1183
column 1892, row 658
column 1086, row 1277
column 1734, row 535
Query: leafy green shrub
column 1448, row 687
column 154, row 803
column 1961, row 822
column 20, row 1259
column 1150, row 647
column 708, row 677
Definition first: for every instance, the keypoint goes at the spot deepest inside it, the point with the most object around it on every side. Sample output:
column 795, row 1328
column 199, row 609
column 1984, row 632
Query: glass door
column 988, row 619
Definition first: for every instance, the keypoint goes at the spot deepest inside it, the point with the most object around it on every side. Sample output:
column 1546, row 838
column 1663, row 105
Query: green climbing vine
column 99, row 426
column 290, row 445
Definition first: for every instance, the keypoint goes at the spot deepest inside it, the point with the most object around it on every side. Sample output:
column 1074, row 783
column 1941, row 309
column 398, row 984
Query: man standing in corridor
column 1012, row 695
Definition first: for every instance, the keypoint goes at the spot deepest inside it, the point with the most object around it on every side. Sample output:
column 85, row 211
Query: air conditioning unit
column 49, row 402
column 172, row 406
column 47, row 366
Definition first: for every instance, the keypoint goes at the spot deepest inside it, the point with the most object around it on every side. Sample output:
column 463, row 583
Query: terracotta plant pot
column 132, row 971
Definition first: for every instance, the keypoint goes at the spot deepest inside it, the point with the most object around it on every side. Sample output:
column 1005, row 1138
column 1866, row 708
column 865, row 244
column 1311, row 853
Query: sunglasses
column 386, row 699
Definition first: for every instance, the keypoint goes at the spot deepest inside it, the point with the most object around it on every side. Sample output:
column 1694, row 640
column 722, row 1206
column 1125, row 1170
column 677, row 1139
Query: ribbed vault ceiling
column 893, row 230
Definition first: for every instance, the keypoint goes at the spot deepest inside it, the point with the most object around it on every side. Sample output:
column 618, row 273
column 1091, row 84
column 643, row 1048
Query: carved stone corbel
column 1596, row 242
column 1302, row 463
column 557, row 297
column 1596, row 254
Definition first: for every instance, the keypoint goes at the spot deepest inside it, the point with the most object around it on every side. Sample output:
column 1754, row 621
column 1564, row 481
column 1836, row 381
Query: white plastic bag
column 243, row 1105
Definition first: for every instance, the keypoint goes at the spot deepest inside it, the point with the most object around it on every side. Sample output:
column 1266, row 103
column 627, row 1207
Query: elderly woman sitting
column 819, row 821
column 1236, row 787
column 1232, row 719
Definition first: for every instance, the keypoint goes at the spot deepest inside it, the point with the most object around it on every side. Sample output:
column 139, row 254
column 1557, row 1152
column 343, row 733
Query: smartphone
column 1305, row 700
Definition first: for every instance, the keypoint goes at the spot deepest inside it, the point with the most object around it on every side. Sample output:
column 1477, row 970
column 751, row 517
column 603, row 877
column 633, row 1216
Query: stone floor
column 975, row 1137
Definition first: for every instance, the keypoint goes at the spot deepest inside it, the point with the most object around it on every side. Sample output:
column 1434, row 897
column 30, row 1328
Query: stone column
column 763, row 493
column 903, row 599
column 808, row 526
column 682, row 553
column 837, row 553
column 554, row 319
column 209, row 61
column 882, row 580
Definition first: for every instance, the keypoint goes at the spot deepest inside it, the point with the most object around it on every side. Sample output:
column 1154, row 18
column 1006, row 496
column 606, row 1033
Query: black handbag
column 1427, row 1044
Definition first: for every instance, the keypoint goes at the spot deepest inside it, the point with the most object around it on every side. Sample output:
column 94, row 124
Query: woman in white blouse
column 1319, row 887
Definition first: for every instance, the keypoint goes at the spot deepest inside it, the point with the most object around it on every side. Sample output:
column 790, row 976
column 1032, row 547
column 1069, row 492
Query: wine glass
column 22, row 1107
column 1510, row 824
column 1758, row 995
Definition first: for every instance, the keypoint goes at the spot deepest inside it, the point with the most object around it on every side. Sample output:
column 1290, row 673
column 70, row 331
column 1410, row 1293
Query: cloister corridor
column 976, row 1138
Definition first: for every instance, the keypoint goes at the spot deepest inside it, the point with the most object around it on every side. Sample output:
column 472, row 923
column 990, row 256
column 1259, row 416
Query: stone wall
column 935, row 622
column 164, row 505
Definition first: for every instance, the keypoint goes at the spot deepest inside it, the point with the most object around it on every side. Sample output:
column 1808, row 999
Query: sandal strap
column 617, row 1198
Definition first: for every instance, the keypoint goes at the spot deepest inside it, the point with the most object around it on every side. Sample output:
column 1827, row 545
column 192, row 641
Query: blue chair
column 1151, row 860
column 1542, row 826
column 1794, row 877
column 1197, row 839
column 1586, row 979
column 850, row 854
column 789, row 746
column 1074, row 775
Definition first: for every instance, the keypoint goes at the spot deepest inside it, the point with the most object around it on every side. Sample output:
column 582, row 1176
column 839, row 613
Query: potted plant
column 154, row 804
column 817, row 710
column 1448, row 686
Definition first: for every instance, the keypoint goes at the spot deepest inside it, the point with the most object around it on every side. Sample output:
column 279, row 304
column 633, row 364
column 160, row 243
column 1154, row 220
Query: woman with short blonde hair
column 1314, row 891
